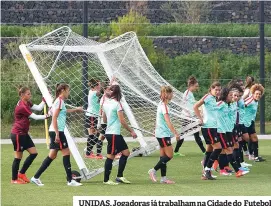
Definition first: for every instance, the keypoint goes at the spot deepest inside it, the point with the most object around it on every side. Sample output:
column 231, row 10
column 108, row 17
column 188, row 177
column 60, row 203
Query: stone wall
column 66, row 12
column 172, row 46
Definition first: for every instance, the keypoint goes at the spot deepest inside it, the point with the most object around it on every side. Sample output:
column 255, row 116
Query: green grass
column 170, row 29
column 267, row 127
column 186, row 171
column 37, row 131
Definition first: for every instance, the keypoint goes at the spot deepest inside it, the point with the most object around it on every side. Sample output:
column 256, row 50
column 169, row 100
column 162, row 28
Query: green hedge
column 222, row 65
column 219, row 30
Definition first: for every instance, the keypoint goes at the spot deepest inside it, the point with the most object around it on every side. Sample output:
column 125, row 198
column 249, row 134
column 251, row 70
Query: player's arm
column 27, row 111
column 125, row 125
column 98, row 90
column 78, row 109
column 246, row 93
column 171, row 127
column 248, row 102
column 104, row 118
column 196, row 109
column 38, row 107
column 55, row 126
column 38, row 117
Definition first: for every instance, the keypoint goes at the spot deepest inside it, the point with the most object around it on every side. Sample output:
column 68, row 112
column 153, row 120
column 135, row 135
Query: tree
column 138, row 23
column 190, row 11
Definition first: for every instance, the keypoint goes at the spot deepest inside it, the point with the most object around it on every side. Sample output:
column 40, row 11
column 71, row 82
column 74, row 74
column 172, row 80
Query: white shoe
column 244, row 172
column 36, row 181
column 74, row 183
column 244, row 164
column 251, row 157
column 152, row 174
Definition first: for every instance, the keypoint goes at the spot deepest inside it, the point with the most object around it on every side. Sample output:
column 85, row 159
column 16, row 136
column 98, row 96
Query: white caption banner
column 172, row 201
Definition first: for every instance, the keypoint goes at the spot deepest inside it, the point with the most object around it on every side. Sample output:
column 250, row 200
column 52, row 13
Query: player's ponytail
column 191, row 81
column 249, row 82
column 22, row 90
column 165, row 90
column 60, row 87
column 116, row 92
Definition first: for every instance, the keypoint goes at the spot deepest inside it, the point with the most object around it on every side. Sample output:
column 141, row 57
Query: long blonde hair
column 165, row 90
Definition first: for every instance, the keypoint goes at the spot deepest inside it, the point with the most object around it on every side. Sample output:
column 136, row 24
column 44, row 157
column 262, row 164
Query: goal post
column 126, row 107
column 57, row 57
column 49, row 100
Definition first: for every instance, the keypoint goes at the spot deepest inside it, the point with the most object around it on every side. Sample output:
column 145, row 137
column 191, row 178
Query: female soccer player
column 251, row 106
column 102, row 126
column 240, row 131
column 58, row 139
column 164, row 130
column 209, row 128
column 114, row 117
column 225, row 125
column 92, row 116
column 20, row 137
column 189, row 99
column 247, row 146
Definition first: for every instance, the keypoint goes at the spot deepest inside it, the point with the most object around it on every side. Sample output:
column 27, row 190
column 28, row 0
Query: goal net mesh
column 59, row 57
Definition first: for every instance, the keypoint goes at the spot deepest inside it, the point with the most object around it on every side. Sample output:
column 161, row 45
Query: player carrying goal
column 92, row 118
column 114, row 117
column 58, row 139
column 20, row 137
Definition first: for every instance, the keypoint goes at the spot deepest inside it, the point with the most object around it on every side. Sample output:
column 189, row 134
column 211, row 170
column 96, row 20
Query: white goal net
column 64, row 56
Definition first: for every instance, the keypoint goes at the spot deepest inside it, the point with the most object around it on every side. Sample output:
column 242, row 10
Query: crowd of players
column 227, row 116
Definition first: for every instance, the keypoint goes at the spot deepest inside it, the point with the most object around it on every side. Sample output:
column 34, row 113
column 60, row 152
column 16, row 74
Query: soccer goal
column 65, row 56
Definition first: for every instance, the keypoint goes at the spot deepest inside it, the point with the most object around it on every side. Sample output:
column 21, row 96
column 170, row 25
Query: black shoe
column 208, row 175
column 259, row 159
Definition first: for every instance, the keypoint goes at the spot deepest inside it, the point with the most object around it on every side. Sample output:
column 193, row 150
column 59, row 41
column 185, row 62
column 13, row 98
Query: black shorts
column 103, row 128
column 63, row 144
column 91, row 122
column 226, row 139
column 21, row 142
column 242, row 128
column 210, row 135
column 230, row 139
column 115, row 144
column 164, row 142
column 251, row 128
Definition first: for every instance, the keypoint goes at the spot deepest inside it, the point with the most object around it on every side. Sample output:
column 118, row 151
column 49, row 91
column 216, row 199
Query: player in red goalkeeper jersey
column 20, row 137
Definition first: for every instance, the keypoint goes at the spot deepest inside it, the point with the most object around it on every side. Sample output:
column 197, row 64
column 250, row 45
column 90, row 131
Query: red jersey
column 21, row 118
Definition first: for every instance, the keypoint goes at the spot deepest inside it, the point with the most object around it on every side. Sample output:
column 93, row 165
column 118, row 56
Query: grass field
column 37, row 131
column 186, row 171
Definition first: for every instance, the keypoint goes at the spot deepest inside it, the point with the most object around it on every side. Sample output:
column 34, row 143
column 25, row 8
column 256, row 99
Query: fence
column 181, row 56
